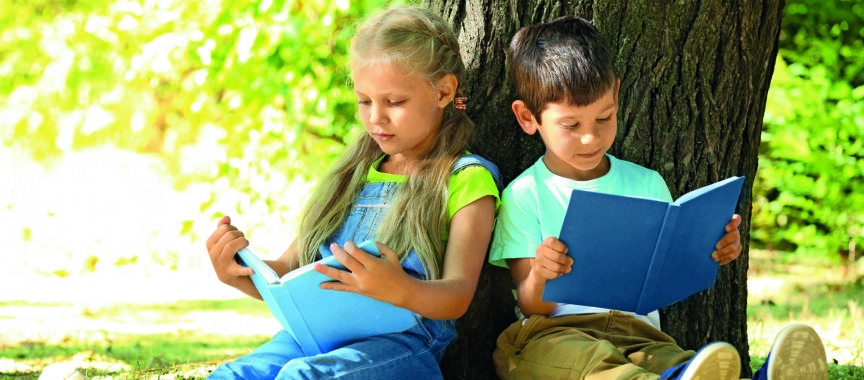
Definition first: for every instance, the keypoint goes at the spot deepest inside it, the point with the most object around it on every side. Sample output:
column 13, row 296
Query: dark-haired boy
column 568, row 92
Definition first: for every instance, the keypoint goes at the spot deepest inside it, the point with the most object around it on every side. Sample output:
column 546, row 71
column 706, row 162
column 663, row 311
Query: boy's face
column 576, row 138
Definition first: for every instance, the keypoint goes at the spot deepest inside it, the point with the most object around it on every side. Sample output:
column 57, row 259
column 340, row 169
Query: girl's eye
column 397, row 102
column 364, row 102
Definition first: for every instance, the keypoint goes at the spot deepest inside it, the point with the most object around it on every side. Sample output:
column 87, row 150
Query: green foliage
column 253, row 91
column 809, row 193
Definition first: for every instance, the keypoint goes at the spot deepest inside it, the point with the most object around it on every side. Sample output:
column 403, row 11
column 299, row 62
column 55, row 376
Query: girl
column 434, row 226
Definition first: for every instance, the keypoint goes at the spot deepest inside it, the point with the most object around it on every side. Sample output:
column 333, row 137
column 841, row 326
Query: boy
column 568, row 92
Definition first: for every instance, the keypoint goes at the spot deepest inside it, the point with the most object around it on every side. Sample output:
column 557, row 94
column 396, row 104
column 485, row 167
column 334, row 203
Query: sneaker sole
column 716, row 361
column 798, row 354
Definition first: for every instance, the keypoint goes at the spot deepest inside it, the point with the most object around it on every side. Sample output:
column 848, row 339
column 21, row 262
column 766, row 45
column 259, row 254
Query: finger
column 556, row 268
column 345, row 258
column 359, row 254
column 548, row 274
column 228, row 244
column 334, row 273
column 546, row 254
column 336, row 285
column 225, row 220
column 217, row 234
column 387, row 253
column 731, row 238
column 239, row 270
column 555, row 244
column 734, row 223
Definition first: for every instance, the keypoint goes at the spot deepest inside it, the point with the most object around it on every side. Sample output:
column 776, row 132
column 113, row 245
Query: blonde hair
column 418, row 41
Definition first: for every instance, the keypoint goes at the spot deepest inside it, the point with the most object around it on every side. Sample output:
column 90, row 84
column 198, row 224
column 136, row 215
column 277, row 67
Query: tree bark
column 694, row 79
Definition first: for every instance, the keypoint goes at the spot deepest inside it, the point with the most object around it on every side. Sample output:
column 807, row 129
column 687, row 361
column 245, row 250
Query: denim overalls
column 413, row 354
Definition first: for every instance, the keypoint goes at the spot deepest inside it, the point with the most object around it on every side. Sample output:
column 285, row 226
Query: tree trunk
column 694, row 79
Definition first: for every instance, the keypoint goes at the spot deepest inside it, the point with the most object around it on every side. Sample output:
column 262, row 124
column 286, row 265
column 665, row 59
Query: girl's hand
column 222, row 245
column 551, row 260
column 729, row 246
column 379, row 278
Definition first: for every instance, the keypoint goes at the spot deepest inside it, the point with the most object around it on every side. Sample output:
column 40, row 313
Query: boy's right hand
column 222, row 245
column 551, row 260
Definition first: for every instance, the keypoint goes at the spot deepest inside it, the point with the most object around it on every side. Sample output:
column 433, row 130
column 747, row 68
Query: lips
column 382, row 136
column 590, row 155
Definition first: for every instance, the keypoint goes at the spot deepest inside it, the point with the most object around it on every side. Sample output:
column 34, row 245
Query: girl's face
column 400, row 110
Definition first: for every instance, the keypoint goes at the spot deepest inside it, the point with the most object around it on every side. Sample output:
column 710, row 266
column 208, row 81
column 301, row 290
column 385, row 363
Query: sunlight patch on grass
column 807, row 290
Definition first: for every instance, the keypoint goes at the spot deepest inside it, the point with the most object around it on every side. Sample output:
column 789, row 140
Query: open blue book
column 321, row 319
column 638, row 254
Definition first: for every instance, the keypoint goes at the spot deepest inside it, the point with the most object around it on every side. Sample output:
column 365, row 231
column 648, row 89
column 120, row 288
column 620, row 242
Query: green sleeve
column 469, row 185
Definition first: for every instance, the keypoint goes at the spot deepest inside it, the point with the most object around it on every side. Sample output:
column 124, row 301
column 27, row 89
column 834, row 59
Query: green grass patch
column 116, row 354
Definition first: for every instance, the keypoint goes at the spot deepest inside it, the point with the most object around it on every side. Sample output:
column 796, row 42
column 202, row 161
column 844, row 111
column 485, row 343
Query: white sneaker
column 797, row 354
column 716, row 361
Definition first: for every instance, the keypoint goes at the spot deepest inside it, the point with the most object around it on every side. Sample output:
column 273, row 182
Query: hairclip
column 461, row 103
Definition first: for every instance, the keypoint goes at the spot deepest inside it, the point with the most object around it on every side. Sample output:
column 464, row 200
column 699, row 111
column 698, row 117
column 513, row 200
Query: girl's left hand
column 379, row 278
column 729, row 246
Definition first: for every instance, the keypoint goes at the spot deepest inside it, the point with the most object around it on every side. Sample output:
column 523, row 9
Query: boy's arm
column 530, row 275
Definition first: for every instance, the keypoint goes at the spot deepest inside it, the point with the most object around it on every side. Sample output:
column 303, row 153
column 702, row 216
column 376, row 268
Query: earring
column 461, row 103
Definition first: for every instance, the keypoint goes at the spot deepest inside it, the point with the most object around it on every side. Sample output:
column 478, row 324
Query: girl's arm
column 225, row 242
column 447, row 298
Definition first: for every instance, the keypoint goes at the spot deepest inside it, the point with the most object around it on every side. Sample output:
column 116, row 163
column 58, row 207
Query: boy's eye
column 604, row 120
column 569, row 126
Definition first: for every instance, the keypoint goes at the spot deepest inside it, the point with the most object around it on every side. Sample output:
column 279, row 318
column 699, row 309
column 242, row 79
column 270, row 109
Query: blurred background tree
column 809, row 195
column 250, row 94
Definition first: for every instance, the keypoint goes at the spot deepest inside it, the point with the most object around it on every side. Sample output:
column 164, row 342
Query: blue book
column 639, row 254
column 322, row 320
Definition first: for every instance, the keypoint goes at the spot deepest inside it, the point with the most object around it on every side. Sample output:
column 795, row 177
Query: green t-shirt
column 467, row 186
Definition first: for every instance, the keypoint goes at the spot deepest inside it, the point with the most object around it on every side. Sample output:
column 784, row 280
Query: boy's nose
column 588, row 138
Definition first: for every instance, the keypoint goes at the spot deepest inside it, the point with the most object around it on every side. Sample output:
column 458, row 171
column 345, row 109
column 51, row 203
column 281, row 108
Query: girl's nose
column 376, row 114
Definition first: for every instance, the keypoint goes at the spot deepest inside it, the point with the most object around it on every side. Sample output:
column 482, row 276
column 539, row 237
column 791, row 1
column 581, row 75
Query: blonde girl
column 399, row 186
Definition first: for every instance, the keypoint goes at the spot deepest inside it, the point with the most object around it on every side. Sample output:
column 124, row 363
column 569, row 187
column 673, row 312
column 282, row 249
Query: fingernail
column 715, row 256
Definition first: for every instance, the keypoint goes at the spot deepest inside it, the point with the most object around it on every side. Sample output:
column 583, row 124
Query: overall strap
column 475, row 160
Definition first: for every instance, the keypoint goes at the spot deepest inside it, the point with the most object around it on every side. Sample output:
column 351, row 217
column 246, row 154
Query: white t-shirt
column 534, row 204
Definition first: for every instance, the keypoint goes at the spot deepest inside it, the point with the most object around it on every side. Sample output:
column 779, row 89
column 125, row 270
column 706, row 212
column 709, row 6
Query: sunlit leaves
column 809, row 192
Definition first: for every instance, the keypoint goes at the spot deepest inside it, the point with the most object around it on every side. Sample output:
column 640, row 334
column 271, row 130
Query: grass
column 102, row 353
column 816, row 291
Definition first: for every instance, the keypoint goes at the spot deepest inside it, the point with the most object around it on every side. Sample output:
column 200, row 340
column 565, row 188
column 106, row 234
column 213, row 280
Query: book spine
column 299, row 329
column 653, row 277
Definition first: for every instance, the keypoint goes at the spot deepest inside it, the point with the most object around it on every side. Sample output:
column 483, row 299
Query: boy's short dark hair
column 565, row 59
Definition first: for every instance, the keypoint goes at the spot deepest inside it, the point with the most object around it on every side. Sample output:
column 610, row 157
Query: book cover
column 321, row 319
column 639, row 254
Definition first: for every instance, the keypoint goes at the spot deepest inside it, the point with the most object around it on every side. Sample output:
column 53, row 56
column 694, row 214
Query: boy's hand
column 551, row 260
column 222, row 245
column 729, row 246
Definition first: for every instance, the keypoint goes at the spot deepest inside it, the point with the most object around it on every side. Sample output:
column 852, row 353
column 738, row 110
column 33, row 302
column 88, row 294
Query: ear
column 445, row 90
column 617, row 87
column 524, row 117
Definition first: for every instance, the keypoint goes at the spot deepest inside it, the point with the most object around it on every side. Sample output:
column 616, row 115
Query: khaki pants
column 610, row 345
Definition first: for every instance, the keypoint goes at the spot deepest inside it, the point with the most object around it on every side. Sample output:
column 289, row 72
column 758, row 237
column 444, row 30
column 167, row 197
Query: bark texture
column 694, row 79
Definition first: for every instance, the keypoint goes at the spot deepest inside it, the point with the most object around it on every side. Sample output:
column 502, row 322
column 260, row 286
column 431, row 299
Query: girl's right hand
column 222, row 245
column 551, row 260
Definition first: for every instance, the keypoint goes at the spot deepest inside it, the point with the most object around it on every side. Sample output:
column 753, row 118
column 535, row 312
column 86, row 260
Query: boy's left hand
column 729, row 246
